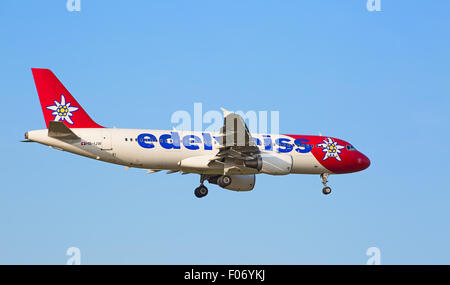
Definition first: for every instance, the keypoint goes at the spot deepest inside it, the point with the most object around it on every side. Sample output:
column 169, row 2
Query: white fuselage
column 162, row 149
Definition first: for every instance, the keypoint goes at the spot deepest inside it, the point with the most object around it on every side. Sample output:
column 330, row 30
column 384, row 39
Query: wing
column 235, row 139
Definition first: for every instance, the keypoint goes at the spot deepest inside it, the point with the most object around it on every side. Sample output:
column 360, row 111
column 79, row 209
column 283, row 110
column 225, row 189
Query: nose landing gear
column 325, row 190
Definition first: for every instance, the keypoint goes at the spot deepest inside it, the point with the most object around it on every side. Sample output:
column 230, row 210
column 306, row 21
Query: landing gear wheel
column 201, row 191
column 326, row 190
column 224, row 180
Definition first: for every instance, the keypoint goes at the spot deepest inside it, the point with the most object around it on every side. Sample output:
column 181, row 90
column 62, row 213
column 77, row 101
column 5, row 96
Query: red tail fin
column 57, row 103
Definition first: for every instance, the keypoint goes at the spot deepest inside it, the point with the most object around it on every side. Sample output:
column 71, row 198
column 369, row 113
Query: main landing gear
column 201, row 191
column 326, row 190
column 221, row 180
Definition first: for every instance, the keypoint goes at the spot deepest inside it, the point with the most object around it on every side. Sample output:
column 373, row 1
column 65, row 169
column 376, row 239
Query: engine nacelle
column 274, row 164
column 238, row 182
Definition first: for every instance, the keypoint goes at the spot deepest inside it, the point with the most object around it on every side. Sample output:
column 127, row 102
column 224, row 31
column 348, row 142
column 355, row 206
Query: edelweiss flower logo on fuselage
column 331, row 149
column 62, row 111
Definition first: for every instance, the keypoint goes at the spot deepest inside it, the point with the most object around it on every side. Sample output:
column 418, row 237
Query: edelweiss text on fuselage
column 194, row 142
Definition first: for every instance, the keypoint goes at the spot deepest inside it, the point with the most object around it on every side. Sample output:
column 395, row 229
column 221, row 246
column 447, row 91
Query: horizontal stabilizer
column 59, row 130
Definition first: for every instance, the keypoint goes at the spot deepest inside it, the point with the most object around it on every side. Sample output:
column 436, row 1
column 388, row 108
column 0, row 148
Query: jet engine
column 274, row 164
column 234, row 182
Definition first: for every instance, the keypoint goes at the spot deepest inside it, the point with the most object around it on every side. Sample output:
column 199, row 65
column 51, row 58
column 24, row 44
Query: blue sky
column 376, row 79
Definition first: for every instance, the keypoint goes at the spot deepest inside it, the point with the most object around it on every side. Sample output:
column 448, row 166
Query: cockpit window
column 350, row 147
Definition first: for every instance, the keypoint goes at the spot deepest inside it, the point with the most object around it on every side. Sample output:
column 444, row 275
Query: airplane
column 230, row 158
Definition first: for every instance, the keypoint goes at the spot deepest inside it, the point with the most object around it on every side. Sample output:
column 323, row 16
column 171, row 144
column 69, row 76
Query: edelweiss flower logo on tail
column 62, row 111
column 331, row 149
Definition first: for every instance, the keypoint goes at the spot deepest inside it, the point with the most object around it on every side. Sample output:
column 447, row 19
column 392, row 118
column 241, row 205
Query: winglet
column 225, row 112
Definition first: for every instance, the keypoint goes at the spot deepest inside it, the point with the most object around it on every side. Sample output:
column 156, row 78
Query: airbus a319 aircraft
column 230, row 158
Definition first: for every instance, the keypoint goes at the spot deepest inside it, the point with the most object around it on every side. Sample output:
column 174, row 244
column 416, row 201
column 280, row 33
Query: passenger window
column 126, row 139
column 131, row 140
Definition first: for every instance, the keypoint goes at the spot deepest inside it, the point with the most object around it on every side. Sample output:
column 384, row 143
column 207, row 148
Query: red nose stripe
column 343, row 161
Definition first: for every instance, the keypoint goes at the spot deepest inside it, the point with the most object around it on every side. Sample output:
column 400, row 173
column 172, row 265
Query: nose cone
column 363, row 162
